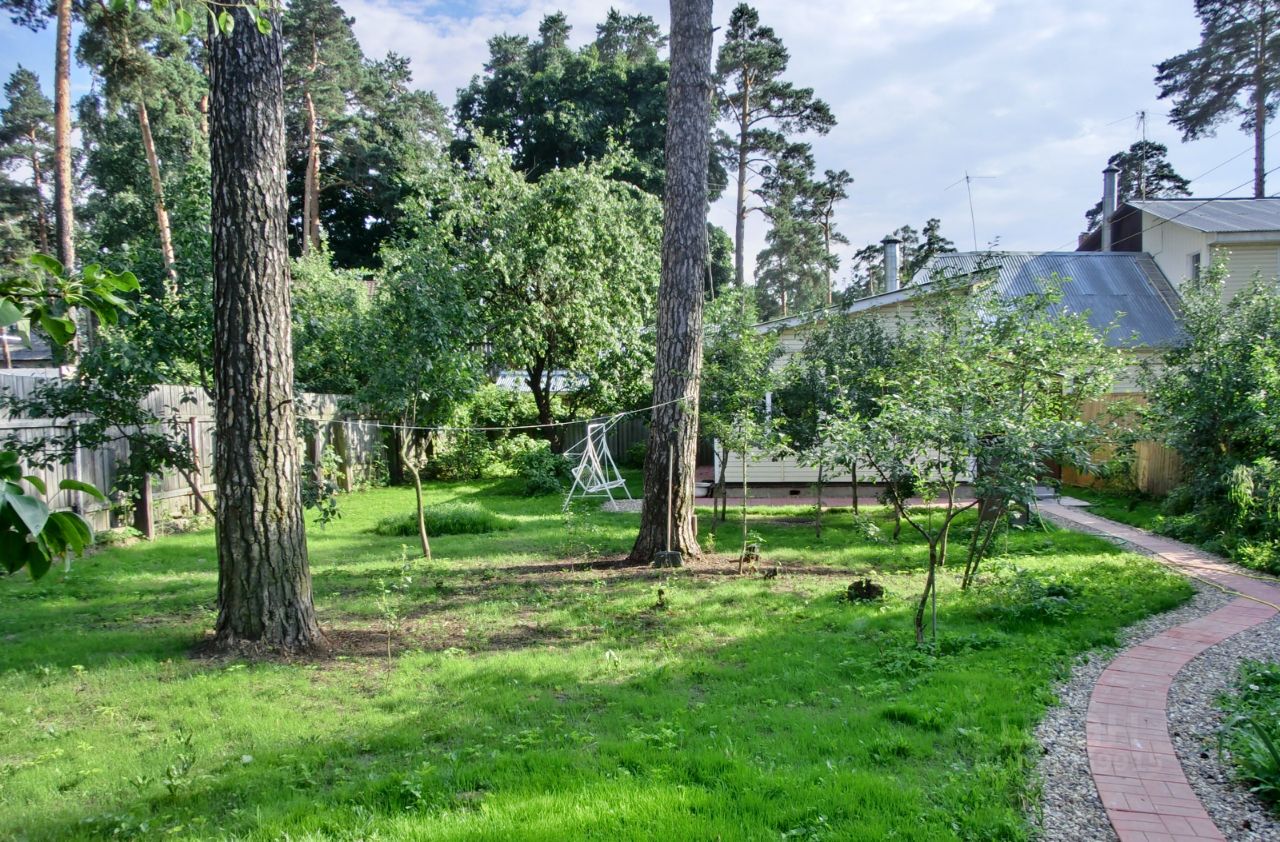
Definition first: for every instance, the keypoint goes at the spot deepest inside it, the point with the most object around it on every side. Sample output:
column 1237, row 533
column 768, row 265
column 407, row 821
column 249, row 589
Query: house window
column 1194, row 270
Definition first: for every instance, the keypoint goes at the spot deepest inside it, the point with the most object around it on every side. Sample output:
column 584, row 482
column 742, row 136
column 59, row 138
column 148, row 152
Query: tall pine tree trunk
column 37, row 181
column 1260, row 93
column 740, row 206
column 678, row 367
column 311, row 185
column 264, row 583
column 157, row 200
column 63, row 209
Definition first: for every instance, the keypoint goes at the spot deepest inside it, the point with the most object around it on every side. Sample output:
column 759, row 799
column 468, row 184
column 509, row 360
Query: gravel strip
column 1070, row 809
column 1069, row 803
column 1194, row 720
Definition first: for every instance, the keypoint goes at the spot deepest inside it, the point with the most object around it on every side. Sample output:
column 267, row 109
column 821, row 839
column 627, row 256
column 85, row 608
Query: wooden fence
column 189, row 412
column 1157, row 469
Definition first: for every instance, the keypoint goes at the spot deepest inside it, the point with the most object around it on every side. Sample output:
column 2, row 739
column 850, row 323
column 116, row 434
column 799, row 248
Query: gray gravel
column 1070, row 809
column 1194, row 720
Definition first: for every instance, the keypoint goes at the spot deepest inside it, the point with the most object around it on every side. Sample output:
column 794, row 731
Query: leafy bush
column 1251, row 734
column 1214, row 400
column 464, row 456
column 1023, row 596
column 635, row 454
column 543, row 472
column 445, row 519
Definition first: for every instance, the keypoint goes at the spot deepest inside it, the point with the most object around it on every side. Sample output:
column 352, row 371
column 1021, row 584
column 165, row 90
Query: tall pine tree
column 764, row 110
column 26, row 143
column 1233, row 73
column 1145, row 173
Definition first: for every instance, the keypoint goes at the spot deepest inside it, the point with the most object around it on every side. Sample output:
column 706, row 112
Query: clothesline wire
column 513, row 428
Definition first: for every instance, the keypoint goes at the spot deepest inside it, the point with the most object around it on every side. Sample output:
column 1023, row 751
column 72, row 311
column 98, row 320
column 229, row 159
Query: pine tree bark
column 63, row 208
column 157, row 200
column 264, row 582
column 37, row 181
column 678, row 368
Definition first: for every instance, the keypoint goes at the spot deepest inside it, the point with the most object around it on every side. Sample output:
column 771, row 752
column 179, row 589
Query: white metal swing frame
column 596, row 474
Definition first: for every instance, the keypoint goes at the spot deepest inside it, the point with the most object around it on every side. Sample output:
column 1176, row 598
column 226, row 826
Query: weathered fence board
column 357, row 442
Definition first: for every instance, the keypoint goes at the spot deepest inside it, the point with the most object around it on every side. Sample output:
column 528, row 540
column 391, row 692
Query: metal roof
column 1216, row 215
column 1122, row 287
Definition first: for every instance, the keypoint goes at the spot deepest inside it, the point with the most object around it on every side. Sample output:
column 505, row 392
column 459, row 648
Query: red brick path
column 1134, row 766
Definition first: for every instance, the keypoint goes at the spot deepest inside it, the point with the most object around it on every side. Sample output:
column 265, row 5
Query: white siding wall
column 1245, row 261
column 1172, row 245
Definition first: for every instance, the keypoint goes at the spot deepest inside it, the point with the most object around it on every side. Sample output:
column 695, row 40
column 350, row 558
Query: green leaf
column 76, row 534
column 264, row 25
column 14, row 548
column 10, row 313
column 47, row 263
column 184, row 21
column 60, row 329
column 38, row 564
column 125, row 282
column 87, row 488
column 37, row 482
column 33, row 513
column 226, row 23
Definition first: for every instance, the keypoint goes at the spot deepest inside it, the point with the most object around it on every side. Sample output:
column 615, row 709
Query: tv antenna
column 968, row 186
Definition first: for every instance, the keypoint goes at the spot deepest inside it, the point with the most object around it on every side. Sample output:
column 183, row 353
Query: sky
column 1028, row 96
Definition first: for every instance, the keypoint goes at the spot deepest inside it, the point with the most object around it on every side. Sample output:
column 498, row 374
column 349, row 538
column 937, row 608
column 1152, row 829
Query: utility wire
column 443, row 429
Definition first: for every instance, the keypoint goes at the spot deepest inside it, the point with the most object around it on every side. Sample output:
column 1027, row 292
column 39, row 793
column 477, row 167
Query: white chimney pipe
column 892, row 263
column 1108, row 203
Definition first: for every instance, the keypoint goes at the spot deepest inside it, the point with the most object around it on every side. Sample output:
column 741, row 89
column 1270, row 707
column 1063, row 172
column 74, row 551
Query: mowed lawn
column 536, row 689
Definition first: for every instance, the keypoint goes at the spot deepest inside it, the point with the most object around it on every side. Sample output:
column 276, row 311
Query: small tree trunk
column 818, row 517
column 203, row 106
column 722, row 487
column 37, row 181
column 678, row 367
column 743, row 555
column 157, row 200
column 853, row 472
column 311, row 184
column 264, row 581
column 422, row 514
column 929, row 585
column 63, row 206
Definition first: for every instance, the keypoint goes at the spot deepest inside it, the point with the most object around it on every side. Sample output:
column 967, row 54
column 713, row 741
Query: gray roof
column 1217, row 215
column 1122, row 287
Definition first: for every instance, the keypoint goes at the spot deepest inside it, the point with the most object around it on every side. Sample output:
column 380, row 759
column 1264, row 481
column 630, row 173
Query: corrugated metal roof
column 1122, row 287
column 1217, row 215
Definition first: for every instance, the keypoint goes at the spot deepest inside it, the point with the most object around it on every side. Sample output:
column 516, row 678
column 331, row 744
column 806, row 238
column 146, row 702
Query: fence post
column 343, row 448
column 143, row 516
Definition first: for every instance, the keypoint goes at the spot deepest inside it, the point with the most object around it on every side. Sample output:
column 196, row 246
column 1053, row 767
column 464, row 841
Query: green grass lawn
column 536, row 692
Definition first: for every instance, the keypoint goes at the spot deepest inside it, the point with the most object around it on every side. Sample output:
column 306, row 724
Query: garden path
column 1131, row 756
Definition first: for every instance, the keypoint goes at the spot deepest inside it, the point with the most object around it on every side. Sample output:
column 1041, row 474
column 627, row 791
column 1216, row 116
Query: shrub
column 1251, row 734
column 464, row 456
column 543, row 472
column 445, row 519
column 634, row 455
column 1024, row 596
column 864, row 590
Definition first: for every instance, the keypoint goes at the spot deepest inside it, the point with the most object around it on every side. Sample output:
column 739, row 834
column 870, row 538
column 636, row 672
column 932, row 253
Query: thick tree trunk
column 311, row 185
column 740, row 207
column 678, row 367
column 157, row 200
column 264, row 582
column 37, row 181
column 63, row 208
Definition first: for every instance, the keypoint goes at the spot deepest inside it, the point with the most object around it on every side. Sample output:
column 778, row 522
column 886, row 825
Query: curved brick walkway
column 1134, row 766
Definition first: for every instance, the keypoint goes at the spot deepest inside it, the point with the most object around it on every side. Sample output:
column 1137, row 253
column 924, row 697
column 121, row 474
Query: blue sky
column 1036, row 93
